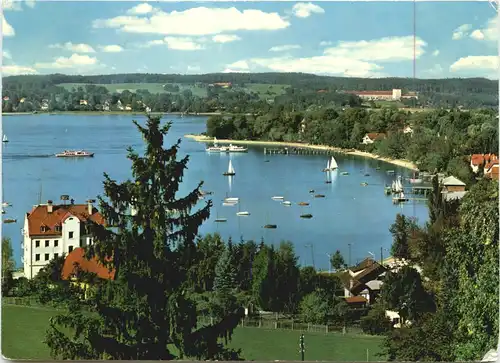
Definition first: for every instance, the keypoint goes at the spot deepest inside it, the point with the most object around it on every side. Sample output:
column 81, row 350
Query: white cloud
column 283, row 48
column 111, row 48
column 10, row 5
column 435, row 53
column 461, row 31
column 477, row 64
column 477, row 34
column 76, row 48
column 175, row 43
column 143, row 8
column 196, row 21
column 74, row 61
column 14, row 70
column 225, row 38
column 242, row 65
column 193, row 69
column 7, row 29
column 488, row 33
column 304, row 10
column 229, row 70
column 324, row 43
column 391, row 49
column 6, row 54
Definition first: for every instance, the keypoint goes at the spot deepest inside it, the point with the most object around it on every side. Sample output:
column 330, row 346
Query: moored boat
column 287, row 202
column 271, row 226
column 230, row 170
column 5, row 138
column 9, row 220
column 319, row 196
column 306, row 216
column 303, row 203
column 75, row 154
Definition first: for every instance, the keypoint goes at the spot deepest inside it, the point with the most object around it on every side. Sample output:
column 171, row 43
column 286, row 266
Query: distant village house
column 370, row 138
column 394, row 95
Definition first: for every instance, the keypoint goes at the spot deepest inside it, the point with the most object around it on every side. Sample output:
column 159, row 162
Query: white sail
column 230, row 168
column 5, row 138
column 333, row 163
column 328, row 166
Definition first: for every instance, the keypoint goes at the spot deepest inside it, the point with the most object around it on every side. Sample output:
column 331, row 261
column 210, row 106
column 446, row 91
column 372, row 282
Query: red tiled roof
column 376, row 136
column 477, row 159
column 490, row 165
column 39, row 216
column 355, row 299
column 77, row 256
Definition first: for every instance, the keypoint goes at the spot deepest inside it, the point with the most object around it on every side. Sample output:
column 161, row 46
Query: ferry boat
column 236, row 149
column 75, row 154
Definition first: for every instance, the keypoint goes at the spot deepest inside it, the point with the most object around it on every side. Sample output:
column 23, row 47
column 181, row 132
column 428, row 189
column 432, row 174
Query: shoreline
column 398, row 162
column 104, row 113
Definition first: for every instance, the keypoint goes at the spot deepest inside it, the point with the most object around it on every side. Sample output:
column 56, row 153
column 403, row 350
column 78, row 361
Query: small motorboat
column 364, row 184
column 344, row 173
column 6, row 204
column 266, row 161
column 231, row 200
column 328, row 182
column 271, row 226
column 319, row 196
column 277, row 198
column 287, row 203
column 244, row 213
column 311, row 191
column 9, row 220
column 366, row 174
column 219, row 220
column 303, row 203
column 229, row 204
column 306, row 216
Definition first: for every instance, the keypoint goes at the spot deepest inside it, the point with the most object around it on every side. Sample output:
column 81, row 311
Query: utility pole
column 381, row 256
column 349, row 254
column 302, row 347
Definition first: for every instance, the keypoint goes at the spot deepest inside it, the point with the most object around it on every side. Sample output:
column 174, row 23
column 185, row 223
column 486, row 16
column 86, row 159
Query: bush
column 375, row 322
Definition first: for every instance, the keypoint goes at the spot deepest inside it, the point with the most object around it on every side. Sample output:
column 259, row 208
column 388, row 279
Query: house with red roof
column 52, row 230
column 491, row 170
column 485, row 161
column 371, row 137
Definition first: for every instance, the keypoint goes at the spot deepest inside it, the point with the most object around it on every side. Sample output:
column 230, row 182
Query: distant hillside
column 467, row 92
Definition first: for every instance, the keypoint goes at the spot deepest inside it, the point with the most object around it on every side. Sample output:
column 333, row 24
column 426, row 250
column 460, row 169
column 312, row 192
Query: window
column 47, row 243
column 70, row 248
column 37, row 257
column 58, row 228
column 70, row 234
column 56, row 243
column 46, row 257
column 56, row 255
column 37, row 243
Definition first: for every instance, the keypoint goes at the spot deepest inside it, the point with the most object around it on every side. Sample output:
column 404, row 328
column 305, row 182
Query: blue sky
column 365, row 39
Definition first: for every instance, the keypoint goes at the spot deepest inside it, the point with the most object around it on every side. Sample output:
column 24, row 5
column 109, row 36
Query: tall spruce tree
column 145, row 310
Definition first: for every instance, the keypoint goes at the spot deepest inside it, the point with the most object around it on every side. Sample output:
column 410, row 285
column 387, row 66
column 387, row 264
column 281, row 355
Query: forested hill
column 457, row 86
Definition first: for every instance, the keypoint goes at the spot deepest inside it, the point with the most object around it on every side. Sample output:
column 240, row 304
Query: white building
column 52, row 230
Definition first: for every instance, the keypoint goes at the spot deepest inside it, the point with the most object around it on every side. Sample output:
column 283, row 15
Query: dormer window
column 44, row 229
column 58, row 228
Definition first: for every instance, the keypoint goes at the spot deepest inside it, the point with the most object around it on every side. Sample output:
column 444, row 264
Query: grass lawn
column 261, row 89
column 23, row 331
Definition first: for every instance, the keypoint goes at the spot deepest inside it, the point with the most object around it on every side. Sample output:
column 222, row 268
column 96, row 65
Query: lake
column 350, row 214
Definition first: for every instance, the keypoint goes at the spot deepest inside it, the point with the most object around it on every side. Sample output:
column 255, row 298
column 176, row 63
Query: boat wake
column 25, row 156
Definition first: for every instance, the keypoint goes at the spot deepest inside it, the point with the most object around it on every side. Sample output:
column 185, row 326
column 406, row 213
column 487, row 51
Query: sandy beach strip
column 403, row 163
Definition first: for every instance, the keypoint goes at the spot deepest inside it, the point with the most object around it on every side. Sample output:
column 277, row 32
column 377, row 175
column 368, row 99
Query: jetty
column 297, row 151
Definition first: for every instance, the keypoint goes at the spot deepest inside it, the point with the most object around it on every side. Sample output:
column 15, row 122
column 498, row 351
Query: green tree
column 376, row 322
column 337, row 260
column 7, row 265
column 316, row 308
column 400, row 237
column 145, row 309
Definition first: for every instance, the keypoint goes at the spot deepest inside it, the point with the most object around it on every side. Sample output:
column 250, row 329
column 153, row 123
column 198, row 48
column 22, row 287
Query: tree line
column 439, row 140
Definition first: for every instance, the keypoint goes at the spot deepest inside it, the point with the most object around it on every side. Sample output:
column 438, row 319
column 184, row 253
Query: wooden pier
column 297, row 151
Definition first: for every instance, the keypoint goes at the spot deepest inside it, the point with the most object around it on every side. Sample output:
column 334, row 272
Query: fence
column 291, row 325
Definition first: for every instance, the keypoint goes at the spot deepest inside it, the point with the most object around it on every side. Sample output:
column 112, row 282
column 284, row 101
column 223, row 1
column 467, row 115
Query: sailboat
column 333, row 164
column 5, row 138
column 328, row 166
column 230, row 170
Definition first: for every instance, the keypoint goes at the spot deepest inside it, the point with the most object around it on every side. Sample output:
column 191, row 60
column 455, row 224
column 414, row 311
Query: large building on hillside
column 394, row 95
column 52, row 230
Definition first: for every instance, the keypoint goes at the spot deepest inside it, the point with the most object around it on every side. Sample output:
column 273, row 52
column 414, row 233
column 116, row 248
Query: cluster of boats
column 226, row 149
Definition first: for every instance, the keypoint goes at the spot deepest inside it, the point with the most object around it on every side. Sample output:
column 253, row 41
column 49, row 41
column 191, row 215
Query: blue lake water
column 349, row 213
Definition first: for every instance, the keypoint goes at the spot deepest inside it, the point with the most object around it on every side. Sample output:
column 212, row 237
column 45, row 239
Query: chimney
column 49, row 206
column 90, row 206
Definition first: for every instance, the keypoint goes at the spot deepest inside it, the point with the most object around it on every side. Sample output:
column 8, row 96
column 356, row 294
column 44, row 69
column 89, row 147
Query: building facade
column 53, row 230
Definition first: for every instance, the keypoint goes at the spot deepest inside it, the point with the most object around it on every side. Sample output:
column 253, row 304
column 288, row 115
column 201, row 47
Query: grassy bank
column 24, row 327
column 403, row 163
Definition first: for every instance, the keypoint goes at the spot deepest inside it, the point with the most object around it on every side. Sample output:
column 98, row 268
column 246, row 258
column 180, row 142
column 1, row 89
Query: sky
column 353, row 39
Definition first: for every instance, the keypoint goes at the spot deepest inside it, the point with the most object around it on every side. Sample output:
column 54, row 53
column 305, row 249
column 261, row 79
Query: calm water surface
column 349, row 214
